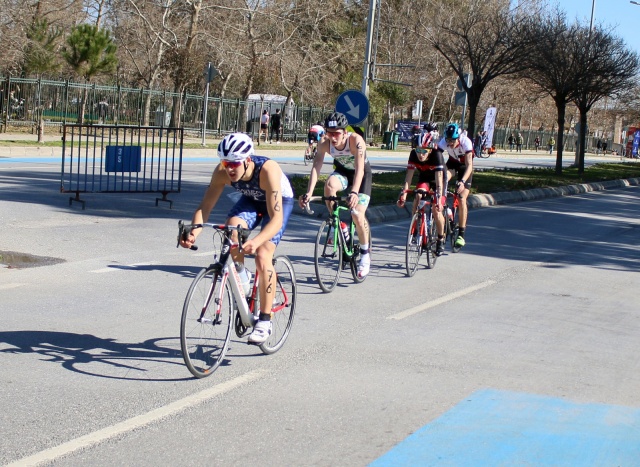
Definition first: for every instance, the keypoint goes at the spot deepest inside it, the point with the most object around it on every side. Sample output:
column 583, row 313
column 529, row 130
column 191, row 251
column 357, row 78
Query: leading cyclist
column 460, row 163
column 429, row 161
column 351, row 169
column 267, row 198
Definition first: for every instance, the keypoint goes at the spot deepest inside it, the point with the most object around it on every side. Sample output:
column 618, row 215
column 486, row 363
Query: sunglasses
column 334, row 133
column 421, row 150
column 231, row 164
column 450, row 140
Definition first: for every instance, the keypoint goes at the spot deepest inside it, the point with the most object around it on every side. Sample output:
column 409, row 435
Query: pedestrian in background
column 519, row 142
column 276, row 122
column 552, row 143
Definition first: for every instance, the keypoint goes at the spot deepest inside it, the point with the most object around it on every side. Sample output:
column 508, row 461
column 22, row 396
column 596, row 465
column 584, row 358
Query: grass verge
column 386, row 185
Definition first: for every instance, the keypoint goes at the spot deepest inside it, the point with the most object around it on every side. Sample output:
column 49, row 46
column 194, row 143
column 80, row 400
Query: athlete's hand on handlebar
column 303, row 200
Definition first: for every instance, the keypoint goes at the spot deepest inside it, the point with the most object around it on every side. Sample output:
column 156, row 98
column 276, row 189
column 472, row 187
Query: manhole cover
column 13, row 259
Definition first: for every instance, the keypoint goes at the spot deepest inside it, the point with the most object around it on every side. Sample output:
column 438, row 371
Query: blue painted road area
column 500, row 428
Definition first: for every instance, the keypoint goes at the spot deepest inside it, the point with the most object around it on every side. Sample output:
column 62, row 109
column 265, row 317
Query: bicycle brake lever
column 182, row 234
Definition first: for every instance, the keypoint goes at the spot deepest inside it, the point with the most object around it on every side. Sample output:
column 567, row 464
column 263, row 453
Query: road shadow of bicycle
column 157, row 359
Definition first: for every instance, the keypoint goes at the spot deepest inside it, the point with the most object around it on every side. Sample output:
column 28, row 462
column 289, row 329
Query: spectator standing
column 551, row 144
column 103, row 109
column 604, row 148
column 599, row 146
column 264, row 125
column 511, row 141
column 276, row 122
column 536, row 143
column 477, row 144
column 519, row 142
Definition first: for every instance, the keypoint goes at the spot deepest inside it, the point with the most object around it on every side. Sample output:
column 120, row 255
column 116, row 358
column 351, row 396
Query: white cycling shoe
column 261, row 332
column 364, row 265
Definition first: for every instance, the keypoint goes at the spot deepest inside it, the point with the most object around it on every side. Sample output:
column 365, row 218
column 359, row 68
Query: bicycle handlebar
column 185, row 229
column 307, row 206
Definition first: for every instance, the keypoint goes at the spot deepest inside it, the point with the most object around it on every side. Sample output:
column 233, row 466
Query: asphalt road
column 527, row 338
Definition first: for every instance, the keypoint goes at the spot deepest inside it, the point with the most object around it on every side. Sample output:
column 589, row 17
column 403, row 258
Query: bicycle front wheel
column 327, row 256
column 205, row 327
column 284, row 305
column 414, row 248
column 354, row 260
column 430, row 248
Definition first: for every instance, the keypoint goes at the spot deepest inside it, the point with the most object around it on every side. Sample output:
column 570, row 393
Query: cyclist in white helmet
column 267, row 199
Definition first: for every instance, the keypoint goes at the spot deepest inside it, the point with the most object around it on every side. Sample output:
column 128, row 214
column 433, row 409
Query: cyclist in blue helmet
column 460, row 163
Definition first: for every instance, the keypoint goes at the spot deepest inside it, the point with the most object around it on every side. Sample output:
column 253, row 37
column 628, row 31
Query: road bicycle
column 452, row 226
column 337, row 244
column 217, row 302
column 422, row 235
column 310, row 153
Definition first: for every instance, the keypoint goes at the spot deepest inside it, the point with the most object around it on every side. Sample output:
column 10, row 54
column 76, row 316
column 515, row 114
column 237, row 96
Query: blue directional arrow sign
column 354, row 105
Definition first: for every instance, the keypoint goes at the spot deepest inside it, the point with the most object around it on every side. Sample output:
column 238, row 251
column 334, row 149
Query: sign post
column 209, row 73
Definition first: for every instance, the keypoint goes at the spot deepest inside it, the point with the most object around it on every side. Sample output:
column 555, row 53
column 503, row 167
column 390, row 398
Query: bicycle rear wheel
column 205, row 327
column 413, row 248
column 327, row 255
column 284, row 305
column 430, row 248
column 356, row 249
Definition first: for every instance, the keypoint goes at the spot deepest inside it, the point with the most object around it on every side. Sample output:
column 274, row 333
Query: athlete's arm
column 468, row 162
column 405, row 186
column 219, row 179
column 271, row 183
column 358, row 149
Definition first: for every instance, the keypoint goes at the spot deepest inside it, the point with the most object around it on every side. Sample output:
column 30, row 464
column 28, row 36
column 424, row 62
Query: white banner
column 489, row 125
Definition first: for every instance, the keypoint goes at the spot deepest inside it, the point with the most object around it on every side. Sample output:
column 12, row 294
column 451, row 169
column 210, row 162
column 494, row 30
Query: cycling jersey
column 252, row 205
column 344, row 164
column 428, row 168
column 459, row 151
column 252, row 188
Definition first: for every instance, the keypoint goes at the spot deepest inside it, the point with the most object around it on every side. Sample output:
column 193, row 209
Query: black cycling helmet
column 430, row 126
column 452, row 131
column 336, row 121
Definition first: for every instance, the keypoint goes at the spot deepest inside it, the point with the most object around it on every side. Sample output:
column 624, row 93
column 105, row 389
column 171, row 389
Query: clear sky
column 621, row 15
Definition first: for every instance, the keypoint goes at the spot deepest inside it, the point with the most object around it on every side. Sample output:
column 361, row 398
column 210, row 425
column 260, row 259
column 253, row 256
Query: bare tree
column 484, row 38
column 606, row 68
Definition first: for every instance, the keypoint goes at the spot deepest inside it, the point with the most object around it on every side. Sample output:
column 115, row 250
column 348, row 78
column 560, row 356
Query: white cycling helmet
column 235, row 147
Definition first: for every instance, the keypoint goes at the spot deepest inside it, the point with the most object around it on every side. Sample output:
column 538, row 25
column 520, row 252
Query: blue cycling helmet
column 452, row 131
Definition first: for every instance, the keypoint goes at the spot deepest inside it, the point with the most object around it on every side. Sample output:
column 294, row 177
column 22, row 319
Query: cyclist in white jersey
column 351, row 169
column 460, row 150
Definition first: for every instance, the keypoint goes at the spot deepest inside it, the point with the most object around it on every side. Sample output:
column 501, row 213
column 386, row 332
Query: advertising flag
column 489, row 125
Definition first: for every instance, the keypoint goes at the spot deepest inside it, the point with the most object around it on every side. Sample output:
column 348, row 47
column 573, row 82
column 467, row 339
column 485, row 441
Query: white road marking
column 87, row 441
column 120, row 267
column 10, row 286
column 439, row 301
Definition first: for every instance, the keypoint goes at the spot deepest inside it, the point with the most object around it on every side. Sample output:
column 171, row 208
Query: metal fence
column 25, row 102
column 121, row 159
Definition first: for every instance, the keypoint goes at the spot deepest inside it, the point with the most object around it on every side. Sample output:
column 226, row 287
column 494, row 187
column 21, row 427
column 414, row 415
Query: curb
column 378, row 214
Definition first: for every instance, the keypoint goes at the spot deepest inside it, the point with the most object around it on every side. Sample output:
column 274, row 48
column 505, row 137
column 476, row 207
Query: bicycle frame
column 334, row 214
column 228, row 272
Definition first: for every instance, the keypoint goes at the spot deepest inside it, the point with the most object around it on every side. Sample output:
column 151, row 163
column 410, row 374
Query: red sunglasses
column 231, row 164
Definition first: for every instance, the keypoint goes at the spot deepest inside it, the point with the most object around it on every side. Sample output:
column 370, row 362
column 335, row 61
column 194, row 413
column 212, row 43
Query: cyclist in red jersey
column 429, row 162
